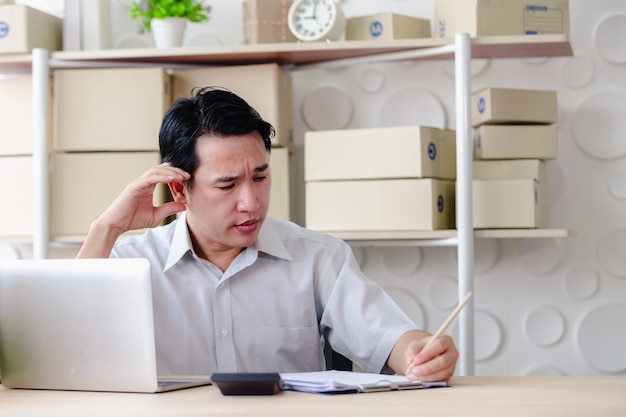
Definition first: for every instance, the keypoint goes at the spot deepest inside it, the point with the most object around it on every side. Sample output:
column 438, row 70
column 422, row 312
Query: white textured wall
column 543, row 306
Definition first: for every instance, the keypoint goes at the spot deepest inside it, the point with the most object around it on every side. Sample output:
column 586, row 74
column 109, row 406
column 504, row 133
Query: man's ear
column 178, row 191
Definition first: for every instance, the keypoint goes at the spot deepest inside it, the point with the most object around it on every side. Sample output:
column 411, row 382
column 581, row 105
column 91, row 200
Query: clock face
column 314, row 19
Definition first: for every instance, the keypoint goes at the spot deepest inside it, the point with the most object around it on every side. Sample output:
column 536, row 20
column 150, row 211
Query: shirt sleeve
column 360, row 319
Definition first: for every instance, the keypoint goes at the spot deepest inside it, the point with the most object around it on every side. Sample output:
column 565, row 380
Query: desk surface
column 468, row 396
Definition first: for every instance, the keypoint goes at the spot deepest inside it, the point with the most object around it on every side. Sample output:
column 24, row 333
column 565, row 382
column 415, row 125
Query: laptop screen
column 77, row 324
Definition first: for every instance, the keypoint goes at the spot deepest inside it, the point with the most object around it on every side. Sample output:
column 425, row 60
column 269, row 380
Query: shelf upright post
column 41, row 87
column 464, row 219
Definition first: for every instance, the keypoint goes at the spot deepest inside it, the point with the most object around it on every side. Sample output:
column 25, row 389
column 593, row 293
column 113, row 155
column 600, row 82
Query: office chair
column 334, row 360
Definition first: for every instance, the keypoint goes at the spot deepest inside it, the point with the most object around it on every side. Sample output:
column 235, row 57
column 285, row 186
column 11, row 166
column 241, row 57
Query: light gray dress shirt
column 266, row 312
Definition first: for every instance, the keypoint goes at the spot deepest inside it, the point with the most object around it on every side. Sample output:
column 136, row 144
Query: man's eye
column 261, row 178
column 227, row 187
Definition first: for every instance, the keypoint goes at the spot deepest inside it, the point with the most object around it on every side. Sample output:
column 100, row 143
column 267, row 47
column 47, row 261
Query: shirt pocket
column 288, row 349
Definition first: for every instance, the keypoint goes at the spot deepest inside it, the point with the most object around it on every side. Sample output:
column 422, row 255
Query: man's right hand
column 133, row 209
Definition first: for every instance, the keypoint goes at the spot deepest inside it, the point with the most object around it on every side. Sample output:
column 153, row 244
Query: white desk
column 469, row 396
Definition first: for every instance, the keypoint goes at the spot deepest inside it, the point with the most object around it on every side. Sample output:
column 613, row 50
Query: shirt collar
column 268, row 242
column 181, row 242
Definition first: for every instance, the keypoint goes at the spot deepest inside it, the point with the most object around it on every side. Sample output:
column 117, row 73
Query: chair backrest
column 334, row 360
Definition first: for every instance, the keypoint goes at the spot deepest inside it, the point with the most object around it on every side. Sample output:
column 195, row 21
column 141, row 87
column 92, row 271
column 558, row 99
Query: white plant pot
column 168, row 32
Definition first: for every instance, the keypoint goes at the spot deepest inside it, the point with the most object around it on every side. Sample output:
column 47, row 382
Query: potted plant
column 167, row 19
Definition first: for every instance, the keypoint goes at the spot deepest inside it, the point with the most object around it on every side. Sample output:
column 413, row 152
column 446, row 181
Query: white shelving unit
column 299, row 55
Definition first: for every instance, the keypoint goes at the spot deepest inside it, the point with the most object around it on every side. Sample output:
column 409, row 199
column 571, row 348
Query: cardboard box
column 515, row 169
column 500, row 17
column 513, row 106
column 118, row 109
column 16, row 214
column 515, row 142
column 23, row 28
column 509, row 204
column 83, row 185
column 386, row 26
column 265, row 21
column 266, row 87
column 380, row 205
column 280, row 196
column 16, row 115
column 389, row 152
column 512, row 169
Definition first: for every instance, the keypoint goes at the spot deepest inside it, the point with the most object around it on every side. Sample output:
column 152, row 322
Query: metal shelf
column 462, row 49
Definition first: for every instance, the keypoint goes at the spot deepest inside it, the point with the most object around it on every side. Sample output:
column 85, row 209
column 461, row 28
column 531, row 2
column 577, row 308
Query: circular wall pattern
column 487, row 253
column 601, row 338
column 476, row 66
column 327, row 108
column 409, row 304
column 539, row 256
column 488, row 336
column 582, row 283
column 443, row 293
column 371, row 80
column 401, row 262
column 577, row 71
column 543, row 370
column 544, row 326
column 556, row 182
column 593, row 116
column 617, row 185
column 412, row 106
column 610, row 251
column 609, row 38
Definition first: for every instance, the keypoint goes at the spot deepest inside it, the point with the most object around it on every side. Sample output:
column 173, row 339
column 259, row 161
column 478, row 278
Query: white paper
column 346, row 381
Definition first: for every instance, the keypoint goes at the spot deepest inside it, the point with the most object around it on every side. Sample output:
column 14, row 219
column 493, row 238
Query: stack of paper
column 335, row 382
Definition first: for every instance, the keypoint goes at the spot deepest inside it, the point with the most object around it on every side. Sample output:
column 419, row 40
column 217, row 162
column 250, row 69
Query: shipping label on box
column 386, row 26
column 23, row 28
column 500, row 18
column 119, row 109
column 515, row 142
column 380, row 205
column 266, row 87
column 376, row 153
column 16, row 220
column 83, row 185
column 265, row 21
column 513, row 106
column 509, row 204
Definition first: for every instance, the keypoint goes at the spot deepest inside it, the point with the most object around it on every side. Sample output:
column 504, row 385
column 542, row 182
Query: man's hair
column 209, row 110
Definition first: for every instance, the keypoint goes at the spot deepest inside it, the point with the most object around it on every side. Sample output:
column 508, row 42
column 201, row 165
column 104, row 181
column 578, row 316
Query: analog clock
column 316, row 20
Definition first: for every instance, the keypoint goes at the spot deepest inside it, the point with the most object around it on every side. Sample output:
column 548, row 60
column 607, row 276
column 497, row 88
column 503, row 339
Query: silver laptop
column 80, row 324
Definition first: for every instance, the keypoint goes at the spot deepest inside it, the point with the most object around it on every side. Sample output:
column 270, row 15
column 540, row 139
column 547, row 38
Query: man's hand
column 133, row 209
column 435, row 363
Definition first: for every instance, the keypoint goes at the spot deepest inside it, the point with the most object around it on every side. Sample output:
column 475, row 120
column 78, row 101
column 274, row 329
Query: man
column 235, row 290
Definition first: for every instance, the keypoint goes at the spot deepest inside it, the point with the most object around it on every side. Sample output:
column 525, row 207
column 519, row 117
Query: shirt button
column 221, row 285
column 224, row 332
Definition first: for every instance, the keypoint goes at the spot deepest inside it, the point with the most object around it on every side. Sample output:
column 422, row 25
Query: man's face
column 229, row 198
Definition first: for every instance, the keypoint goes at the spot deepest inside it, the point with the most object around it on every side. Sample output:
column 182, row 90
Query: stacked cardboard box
column 500, row 17
column 106, row 126
column 386, row 26
column 383, row 179
column 16, row 157
column 514, row 134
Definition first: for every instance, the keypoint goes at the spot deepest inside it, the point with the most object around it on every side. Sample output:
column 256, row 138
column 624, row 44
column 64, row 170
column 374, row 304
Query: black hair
column 210, row 110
